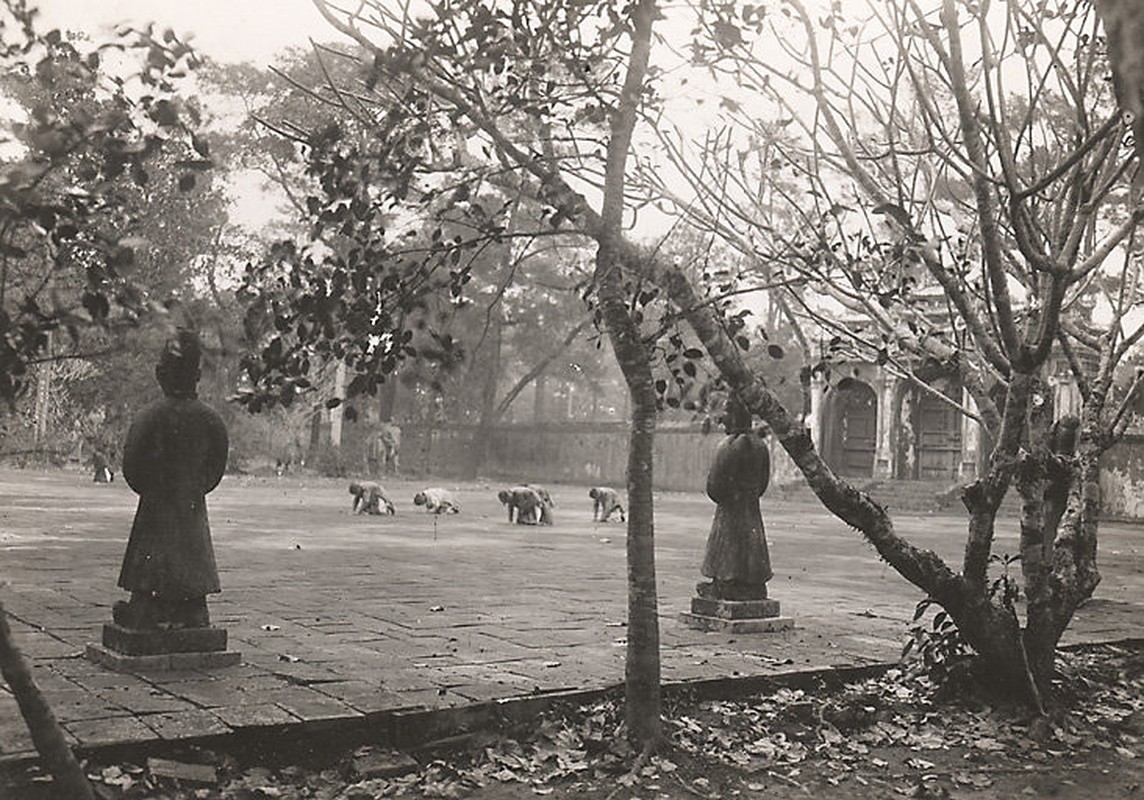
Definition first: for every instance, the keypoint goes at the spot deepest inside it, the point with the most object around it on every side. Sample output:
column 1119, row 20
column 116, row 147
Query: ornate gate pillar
column 884, row 451
column 970, row 440
column 817, row 408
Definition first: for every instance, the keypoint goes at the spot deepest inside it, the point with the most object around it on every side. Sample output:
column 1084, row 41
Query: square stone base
column 734, row 609
column 133, row 650
column 151, row 642
column 736, row 616
column 761, row 625
column 120, row 662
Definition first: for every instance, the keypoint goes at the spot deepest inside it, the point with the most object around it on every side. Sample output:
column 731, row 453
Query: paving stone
column 309, row 705
column 480, row 692
column 495, row 674
column 213, row 693
column 106, row 680
column 266, row 682
column 186, row 724
column 170, row 677
column 50, row 681
column 77, row 704
column 217, row 660
column 358, row 636
column 245, row 671
column 76, row 667
column 144, row 699
column 14, row 737
column 44, row 646
column 360, row 695
column 422, row 699
column 406, row 679
column 303, row 671
column 255, row 715
column 114, row 730
column 498, row 653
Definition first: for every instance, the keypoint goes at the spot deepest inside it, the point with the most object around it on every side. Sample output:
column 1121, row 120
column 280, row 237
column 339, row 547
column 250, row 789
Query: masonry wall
column 597, row 454
column 1122, row 478
column 585, row 454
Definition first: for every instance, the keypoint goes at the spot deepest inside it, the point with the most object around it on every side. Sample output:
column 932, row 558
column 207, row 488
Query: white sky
column 226, row 30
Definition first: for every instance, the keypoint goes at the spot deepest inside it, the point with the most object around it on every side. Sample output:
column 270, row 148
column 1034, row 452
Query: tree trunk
column 479, row 451
column 314, row 447
column 643, row 704
column 489, row 410
column 1124, row 28
column 43, row 397
column 387, row 399
column 337, row 414
column 539, row 400
column 642, row 668
column 47, row 735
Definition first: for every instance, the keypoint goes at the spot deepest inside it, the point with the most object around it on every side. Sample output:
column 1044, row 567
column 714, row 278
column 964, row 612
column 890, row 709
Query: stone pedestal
column 130, row 649
column 736, row 616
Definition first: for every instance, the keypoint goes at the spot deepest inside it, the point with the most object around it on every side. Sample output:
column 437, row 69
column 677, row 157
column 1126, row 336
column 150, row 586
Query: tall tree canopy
column 97, row 147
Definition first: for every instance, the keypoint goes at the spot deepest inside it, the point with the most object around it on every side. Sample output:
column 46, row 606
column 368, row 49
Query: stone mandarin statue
column 175, row 455
column 736, row 559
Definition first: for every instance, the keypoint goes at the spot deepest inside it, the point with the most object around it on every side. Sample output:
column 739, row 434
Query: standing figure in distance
column 737, row 560
column 175, row 455
column 383, row 450
column 99, row 463
column 607, row 501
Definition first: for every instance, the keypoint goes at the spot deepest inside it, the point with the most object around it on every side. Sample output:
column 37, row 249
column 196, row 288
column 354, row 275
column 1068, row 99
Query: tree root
column 1033, row 688
column 633, row 773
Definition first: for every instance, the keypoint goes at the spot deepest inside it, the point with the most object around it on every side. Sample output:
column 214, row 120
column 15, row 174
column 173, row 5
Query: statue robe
column 175, row 454
column 737, row 545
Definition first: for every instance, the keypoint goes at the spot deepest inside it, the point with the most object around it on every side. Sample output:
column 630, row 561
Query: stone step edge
column 418, row 727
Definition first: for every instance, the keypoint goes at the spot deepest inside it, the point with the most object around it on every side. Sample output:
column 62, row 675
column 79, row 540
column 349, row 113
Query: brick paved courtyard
column 346, row 620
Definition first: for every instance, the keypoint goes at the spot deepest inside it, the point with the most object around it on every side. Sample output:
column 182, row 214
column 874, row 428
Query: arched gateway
column 851, row 428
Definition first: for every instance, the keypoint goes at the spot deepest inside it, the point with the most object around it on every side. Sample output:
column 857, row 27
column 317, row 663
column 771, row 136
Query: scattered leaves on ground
column 885, row 736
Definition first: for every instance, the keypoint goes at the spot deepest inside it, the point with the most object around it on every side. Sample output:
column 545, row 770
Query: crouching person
column 437, row 501
column 369, row 498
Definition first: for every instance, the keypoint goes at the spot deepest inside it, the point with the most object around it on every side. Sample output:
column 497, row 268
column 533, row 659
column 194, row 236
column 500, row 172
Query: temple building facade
column 877, row 425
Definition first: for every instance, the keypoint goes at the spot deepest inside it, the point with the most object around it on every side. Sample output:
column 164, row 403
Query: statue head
column 178, row 367
column 736, row 416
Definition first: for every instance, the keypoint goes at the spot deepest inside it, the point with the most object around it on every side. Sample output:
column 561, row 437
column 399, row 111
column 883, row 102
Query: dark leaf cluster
column 65, row 254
